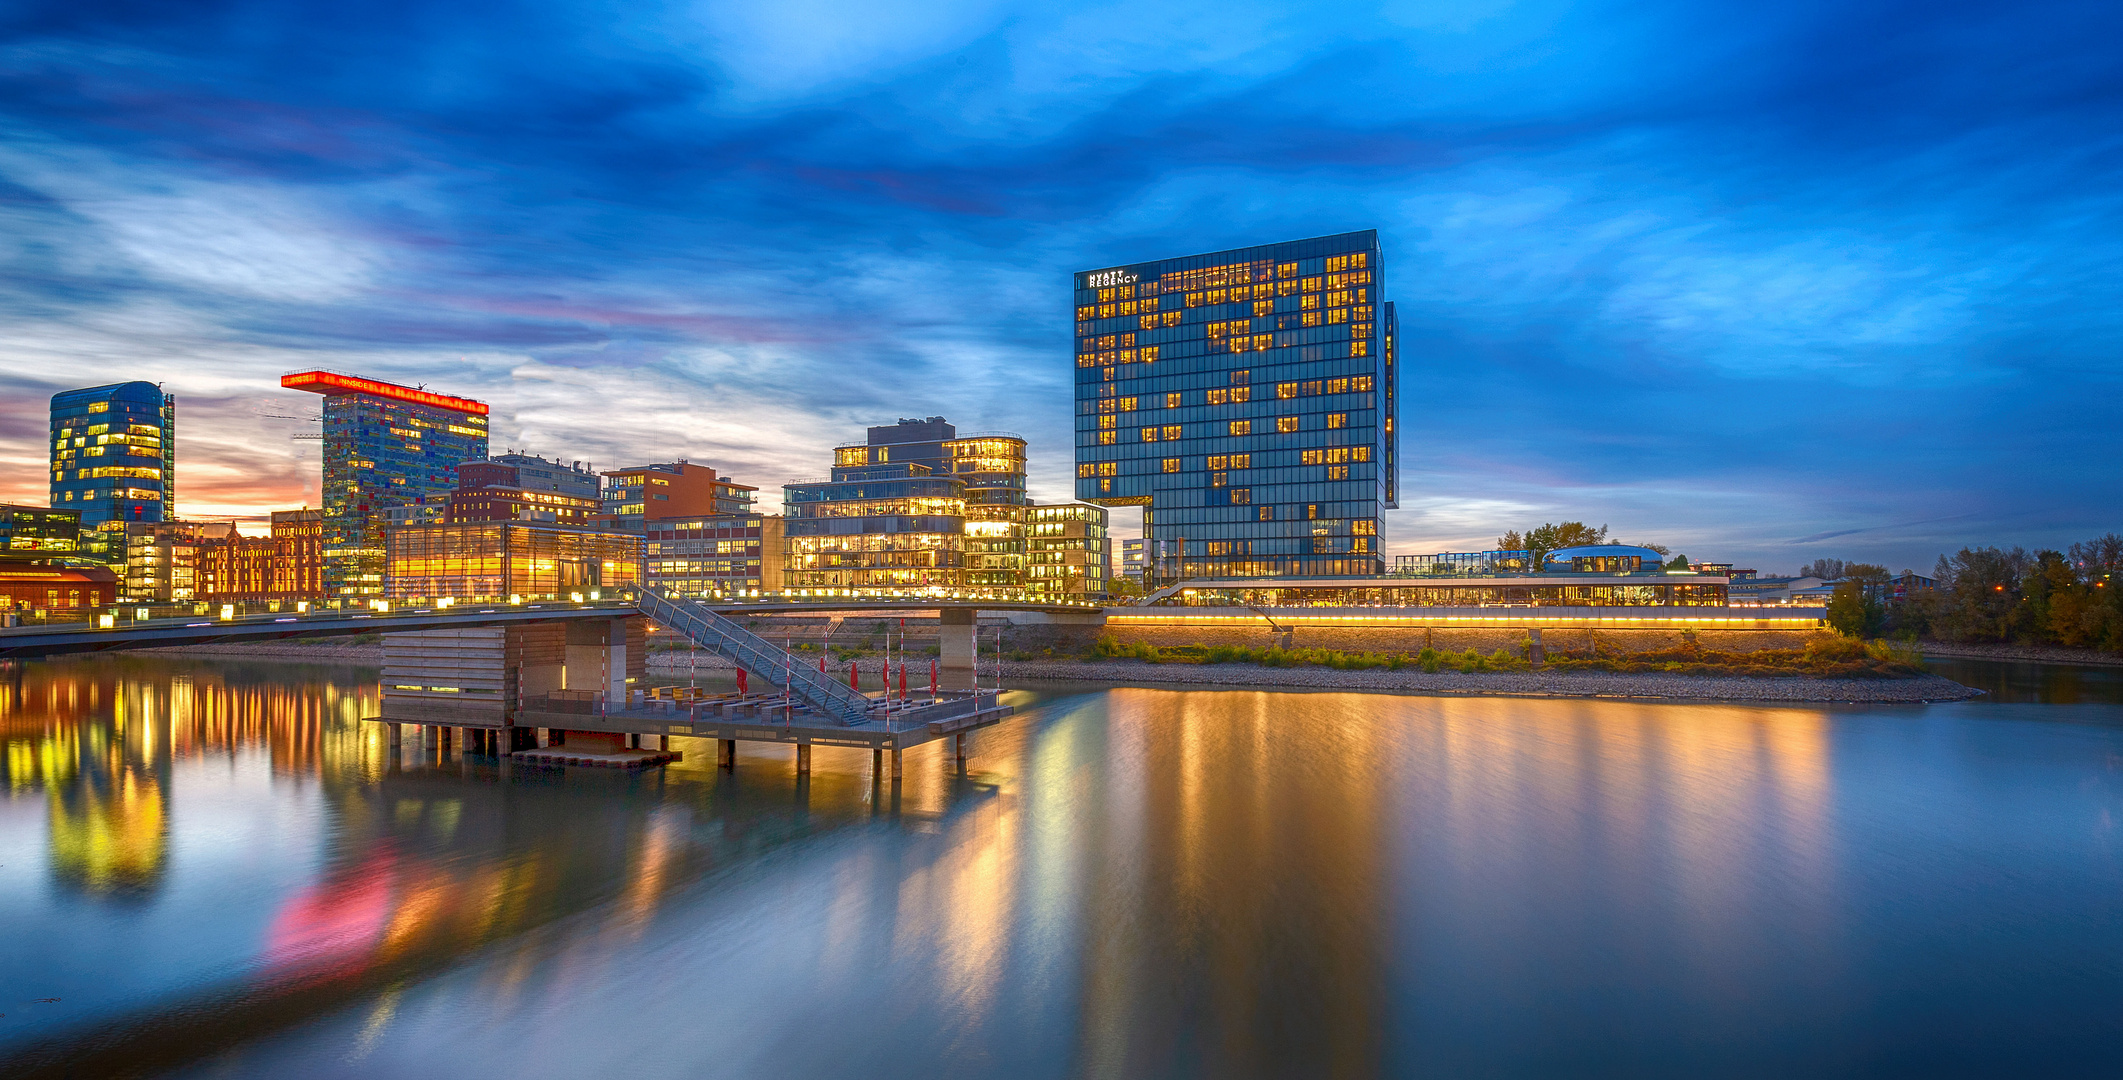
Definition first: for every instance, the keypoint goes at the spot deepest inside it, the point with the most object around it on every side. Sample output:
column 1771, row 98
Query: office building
column 500, row 490
column 991, row 465
column 113, row 461
column 1067, row 552
column 495, row 562
column 385, row 446
column 1131, row 559
column 534, row 473
column 39, row 532
column 891, row 517
column 286, row 565
column 721, row 555
column 165, row 561
column 1245, row 399
column 634, row 497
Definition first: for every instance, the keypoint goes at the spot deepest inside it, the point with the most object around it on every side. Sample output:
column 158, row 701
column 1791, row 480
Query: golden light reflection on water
column 1207, row 876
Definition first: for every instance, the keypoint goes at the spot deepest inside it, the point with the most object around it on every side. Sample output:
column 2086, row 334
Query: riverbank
column 1921, row 689
column 2030, row 654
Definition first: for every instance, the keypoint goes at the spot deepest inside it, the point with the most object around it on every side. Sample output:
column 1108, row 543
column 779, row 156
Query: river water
column 215, row 869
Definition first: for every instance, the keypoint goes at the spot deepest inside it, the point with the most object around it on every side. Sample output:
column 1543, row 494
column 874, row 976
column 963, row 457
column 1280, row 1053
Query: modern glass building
column 495, row 562
column 39, row 532
column 1067, row 551
column 385, row 446
column 992, row 467
column 885, row 526
column 1246, row 400
column 716, row 555
column 114, row 461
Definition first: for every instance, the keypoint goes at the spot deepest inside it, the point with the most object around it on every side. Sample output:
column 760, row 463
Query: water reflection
column 1126, row 883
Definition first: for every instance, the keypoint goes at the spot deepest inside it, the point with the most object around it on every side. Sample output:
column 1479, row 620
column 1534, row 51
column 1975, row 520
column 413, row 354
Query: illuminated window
column 1286, row 390
column 1361, row 384
column 1263, row 307
column 1105, row 485
column 1217, row 461
column 1337, row 386
column 1360, row 453
column 1172, row 401
column 1219, row 547
column 1109, row 468
column 1108, row 405
column 1310, row 457
column 1267, row 513
column 1286, row 423
column 1127, row 404
column 1311, row 284
column 1149, row 434
column 1241, row 427
column 1364, row 527
column 1312, row 511
column 1241, row 496
column 99, row 406
column 1105, row 438
column 1106, row 422
column 1219, row 397
column 1171, row 464
column 1286, row 270
column 1311, row 318
column 1311, row 388
column 1337, row 420
column 1217, row 480
column 1242, row 461
column 1337, row 472
column 1171, row 432
column 1360, row 346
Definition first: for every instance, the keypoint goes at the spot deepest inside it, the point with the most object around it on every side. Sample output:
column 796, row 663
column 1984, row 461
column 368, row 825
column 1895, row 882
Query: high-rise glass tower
column 1245, row 399
column 114, row 461
column 385, row 446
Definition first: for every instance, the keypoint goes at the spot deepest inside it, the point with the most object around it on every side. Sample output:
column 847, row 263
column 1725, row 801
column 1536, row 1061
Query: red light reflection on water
column 333, row 928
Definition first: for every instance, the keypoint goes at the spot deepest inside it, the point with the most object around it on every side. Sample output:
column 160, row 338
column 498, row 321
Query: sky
column 1759, row 283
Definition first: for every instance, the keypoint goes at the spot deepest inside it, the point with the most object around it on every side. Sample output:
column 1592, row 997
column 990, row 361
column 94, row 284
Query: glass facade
column 1067, row 551
column 385, row 446
column 39, row 532
column 724, row 555
column 113, row 460
column 875, row 526
column 1245, row 399
column 646, row 493
column 497, row 562
column 1510, row 592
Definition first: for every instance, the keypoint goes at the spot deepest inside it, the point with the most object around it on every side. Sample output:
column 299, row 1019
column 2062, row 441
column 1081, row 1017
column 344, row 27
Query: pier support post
column 956, row 638
column 897, row 770
column 958, row 747
column 877, row 765
column 393, row 735
column 1535, row 654
column 726, row 753
column 430, row 736
column 803, row 759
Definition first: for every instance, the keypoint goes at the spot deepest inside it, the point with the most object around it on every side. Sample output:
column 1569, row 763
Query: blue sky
column 1761, row 284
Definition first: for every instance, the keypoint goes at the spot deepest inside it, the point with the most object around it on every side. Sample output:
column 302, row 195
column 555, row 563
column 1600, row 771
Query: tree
column 1537, row 543
column 1678, row 562
column 1978, row 594
column 1855, row 611
column 1866, row 573
column 1825, row 569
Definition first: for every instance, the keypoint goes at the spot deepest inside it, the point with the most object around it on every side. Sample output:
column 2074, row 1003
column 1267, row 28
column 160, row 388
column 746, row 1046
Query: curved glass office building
column 1246, row 400
column 113, row 461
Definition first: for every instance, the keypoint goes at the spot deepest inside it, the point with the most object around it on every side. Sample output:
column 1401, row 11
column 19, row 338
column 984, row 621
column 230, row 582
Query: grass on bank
column 1824, row 656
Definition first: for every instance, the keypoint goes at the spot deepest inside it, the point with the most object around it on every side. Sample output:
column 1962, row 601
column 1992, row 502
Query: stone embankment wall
column 1397, row 639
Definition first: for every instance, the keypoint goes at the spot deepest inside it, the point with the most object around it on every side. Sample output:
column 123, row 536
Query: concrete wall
column 1414, row 639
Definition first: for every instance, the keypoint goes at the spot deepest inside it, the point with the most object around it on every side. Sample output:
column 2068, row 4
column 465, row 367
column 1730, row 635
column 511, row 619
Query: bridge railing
column 756, row 655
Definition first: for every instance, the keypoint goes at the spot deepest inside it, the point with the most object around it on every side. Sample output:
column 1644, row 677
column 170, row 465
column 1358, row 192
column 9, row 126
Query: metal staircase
column 755, row 654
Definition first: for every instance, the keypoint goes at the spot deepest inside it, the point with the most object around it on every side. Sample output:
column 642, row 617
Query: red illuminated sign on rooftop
column 325, row 382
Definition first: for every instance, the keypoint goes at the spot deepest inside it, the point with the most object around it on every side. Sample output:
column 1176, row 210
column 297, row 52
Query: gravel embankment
column 1927, row 688
column 2037, row 654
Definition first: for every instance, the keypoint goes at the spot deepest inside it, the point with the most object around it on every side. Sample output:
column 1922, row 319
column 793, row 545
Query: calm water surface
column 217, row 870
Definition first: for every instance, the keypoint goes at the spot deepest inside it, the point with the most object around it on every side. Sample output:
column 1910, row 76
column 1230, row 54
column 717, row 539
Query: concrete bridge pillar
column 726, row 753
column 803, row 759
column 957, row 640
column 597, row 657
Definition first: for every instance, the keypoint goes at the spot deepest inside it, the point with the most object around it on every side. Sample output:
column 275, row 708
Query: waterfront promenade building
column 498, row 490
column 113, row 461
column 1246, row 400
column 385, row 446
column 166, row 561
column 286, row 565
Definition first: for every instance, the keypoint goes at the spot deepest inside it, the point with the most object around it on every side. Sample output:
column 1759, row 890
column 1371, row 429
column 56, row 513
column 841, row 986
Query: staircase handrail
column 757, row 655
